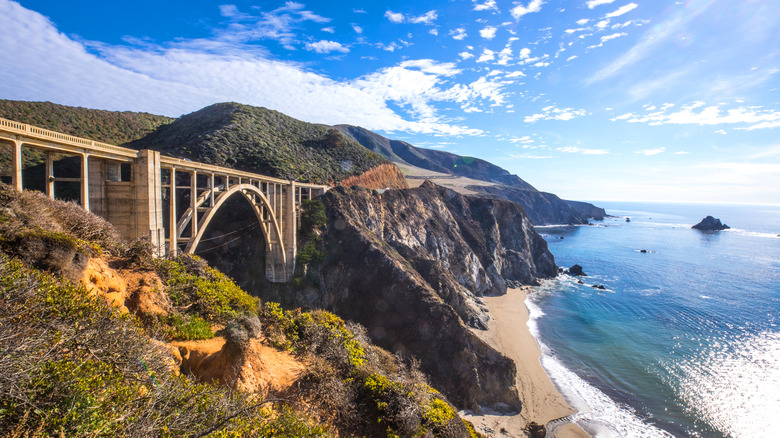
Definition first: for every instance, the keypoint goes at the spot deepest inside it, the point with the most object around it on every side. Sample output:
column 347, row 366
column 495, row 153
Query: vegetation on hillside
column 262, row 141
column 113, row 127
column 73, row 365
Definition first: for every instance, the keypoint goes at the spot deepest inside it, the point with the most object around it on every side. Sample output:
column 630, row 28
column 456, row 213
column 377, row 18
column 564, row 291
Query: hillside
column 436, row 161
column 100, row 339
column 262, row 141
column 542, row 208
column 113, row 127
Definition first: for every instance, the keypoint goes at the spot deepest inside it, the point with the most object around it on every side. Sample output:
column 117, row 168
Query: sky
column 633, row 100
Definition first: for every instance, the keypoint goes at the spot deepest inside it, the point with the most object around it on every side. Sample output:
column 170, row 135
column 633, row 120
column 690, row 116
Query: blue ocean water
column 685, row 338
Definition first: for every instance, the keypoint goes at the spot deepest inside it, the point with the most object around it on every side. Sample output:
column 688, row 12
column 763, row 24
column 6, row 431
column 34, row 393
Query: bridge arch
column 264, row 212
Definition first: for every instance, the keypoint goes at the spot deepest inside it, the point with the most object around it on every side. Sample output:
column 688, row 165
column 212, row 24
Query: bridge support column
column 147, row 182
column 17, row 165
column 290, row 227
column 85, row 181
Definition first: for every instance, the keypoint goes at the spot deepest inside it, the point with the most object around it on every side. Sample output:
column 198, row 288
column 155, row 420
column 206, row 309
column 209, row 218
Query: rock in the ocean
column 710, row 223
column 576, row 270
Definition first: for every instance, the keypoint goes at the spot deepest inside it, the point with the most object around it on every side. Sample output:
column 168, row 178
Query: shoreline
column 508, row 332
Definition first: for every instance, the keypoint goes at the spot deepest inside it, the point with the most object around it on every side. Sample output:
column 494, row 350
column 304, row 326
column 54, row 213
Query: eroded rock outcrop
column 384, row 176
column 710, row 223
column 410, row 265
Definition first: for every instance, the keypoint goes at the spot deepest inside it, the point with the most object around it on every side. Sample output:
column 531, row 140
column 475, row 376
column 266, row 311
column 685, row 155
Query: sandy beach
column 508, row 332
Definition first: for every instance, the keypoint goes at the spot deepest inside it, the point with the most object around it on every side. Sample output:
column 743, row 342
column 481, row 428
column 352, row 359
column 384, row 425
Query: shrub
column 192, row 284
column 70, row 365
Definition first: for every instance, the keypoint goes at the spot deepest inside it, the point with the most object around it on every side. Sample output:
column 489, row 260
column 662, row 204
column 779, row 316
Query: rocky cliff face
column 587, row 210
column 411, row 265
column 542, row 208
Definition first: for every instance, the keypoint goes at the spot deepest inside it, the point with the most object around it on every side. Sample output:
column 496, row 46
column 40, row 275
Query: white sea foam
column 735, row 389
column 598, row 414
column 742, row 232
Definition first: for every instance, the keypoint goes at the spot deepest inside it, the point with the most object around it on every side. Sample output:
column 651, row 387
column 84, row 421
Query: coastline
column 508, row 333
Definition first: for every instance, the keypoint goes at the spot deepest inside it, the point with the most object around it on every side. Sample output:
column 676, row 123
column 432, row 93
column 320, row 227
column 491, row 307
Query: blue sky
column 589, row 99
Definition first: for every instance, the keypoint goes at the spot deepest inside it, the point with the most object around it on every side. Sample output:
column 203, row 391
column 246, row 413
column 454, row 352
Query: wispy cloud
column 554, row 113
column 584, row 151
column 486, row 6
column 651, row 152
column 622, row 10
column 398, row 17
column 186, row 75
column 593, row 3
column 520, row 10
column 699, row 113
column 459, row 33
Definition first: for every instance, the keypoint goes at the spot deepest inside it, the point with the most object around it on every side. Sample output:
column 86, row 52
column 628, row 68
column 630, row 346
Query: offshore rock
column 710, row 223
column 410, row 265
column 576, row 271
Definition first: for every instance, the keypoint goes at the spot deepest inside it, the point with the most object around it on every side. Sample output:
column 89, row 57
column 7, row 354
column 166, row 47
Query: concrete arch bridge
column 145, row 194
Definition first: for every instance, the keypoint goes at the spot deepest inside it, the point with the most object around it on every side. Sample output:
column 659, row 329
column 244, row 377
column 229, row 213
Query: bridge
column 144, row 194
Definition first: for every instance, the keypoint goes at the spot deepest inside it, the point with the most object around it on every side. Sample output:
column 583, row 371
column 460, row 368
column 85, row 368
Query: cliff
column 542, row 208
column 410, row 265
column 587, row 210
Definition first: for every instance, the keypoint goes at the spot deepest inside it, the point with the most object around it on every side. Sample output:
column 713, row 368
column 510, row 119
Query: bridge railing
column 58, row 137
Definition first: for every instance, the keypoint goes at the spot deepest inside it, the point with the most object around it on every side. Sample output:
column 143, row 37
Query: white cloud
column 395, row 17
column 613, row 36
column 721, row 132
column 602, row 24
column 520, row 10
column 487, row 55
column 530, row 156
column 182, row 76
column 593, row 3
column 525, row 53
column 571, row 58
column 279, row 24
column 459, row 33
column 427, row 18
column 357, row 28
column 504, row 56
column 651, row 152
column 392, row 47
column 583, row 21
column 432, row 67
column 465, row 55
column 488, row 33
column 486, row 6
column 398, row 17
column 576, row 150
column 325, row 46
column 622, row 10
column 698, row 113
column 553, row 113
column 329, row 29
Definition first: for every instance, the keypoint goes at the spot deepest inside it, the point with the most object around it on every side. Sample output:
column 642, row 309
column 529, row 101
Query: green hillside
column 113, row 127
column 264, row 141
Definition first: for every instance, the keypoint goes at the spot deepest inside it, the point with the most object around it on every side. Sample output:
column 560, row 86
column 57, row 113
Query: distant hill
column 113, row 127
column 437, row 161
column 542, row 208
column 263, row 141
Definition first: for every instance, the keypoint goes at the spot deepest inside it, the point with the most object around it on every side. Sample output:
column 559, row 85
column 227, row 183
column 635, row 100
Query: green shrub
column 176, row 327
column 192, row 284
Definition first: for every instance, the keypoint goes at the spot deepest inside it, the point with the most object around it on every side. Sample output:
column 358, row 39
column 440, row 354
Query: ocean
column 684, row 340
